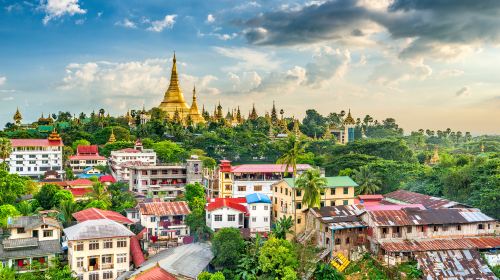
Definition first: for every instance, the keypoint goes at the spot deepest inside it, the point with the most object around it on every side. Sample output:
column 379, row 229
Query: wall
column 224, row 211
column 260, row 213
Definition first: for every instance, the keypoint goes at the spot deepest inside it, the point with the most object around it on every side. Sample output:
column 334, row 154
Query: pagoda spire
column 349, row 120
column 112, row 138
column 173, row 98
column 18, row 117
column 54, row 136
column 253, row 114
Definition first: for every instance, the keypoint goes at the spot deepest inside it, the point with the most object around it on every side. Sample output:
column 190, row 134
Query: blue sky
column 429, row 64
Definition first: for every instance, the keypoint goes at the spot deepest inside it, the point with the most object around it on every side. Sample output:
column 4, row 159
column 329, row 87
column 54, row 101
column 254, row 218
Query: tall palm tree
column 100, row 193
column 311, row 183
column 66, row 210
column 367, row 180
column 295, row 148
column 5, row 150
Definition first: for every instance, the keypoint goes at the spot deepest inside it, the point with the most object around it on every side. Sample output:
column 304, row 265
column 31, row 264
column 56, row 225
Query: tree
column 211, row 276
column 325, row 271
column 168, row 151
column 12, row 187
column 24, row 207
column 193, row 191
column 5, row 150
column 118, row 145
column 368, row 182
column 66, row 210
column 282, row 227
column 46, row 194
column 79, row 142
column 278, row 259
column 248, row 265
column 7, row 211
column 295, row 147
column 100, row 197
column 227, row 246
column 121, row 198
column 311, row 183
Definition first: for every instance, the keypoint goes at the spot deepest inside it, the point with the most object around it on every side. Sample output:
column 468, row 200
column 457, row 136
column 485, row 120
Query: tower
column 17, row 117
column 173, row 99
column 112, row 138
column 194, row 113
column 349, row 124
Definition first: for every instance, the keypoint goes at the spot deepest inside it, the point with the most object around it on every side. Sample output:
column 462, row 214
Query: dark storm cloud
column 430, row 22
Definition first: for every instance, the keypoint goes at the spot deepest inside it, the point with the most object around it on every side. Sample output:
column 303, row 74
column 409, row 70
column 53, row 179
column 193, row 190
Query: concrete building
column 32, row 241
column 86, row 156
column 122, row 160
column 166, row 181
column 339, row 190
column 98, row 249
column 259, row 213
column 245, row 179
column 33, row 157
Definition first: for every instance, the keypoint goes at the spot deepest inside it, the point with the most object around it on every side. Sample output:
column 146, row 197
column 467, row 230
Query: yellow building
column 174, row 103
column 339, row 190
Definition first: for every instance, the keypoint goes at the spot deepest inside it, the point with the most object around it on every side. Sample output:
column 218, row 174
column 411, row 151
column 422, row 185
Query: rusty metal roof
column 340, row 213
column 430, row 202
column 413, row 216
column 453, row 264
column 164, row 208
column 442, row 244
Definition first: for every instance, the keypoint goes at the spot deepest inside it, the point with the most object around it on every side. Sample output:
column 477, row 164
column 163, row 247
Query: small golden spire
column 435, row 157
column 112, row 138
column 349, row 120
column 54, row 136
column 18, row 117
column 482, row 147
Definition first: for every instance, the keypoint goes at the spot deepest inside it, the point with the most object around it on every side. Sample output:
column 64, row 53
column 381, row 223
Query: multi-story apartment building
column 120, row 161
column 164, row 220
column 166, row 181
column 86, row 156
column 245, row 179
column 259, row 213
column 98, row 249
column 339, row 190
column 32, row 243
column 33, row 157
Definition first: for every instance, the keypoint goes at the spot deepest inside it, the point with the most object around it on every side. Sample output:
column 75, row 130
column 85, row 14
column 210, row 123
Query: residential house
column 80, row 188
column 429, row 202
column 97, row 214
column 32, row 243
column 120, row 161
column 226, row 213
column 259, row 213
column 339, row 190
column 89, row 172
column 98, row 249
column 86, row 156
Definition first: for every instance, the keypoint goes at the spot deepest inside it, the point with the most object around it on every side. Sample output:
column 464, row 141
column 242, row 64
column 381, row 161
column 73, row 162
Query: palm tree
column 66, row 210
column 24, row 207
column 295, row 148
column 5, row 150
column 99, row 193
column 282, row 227
column 368, row 182
column 311, row 183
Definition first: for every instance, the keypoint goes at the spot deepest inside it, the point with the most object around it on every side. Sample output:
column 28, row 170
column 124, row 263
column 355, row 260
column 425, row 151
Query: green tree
column 24, row 207
column 5, row 150
column 12, row 187
column 325, row 271
column 118, row 145
column 227, row 246
column 368, row 182
column 45, row 196
column 282, row 227
column 66, row 210
column 278, row 259
column 168, row 151
column 311, row 183
column 7, row 211
column 7, row 273
column 99, row 196
column 121, row 198
column 79, row 142
column 193, row 191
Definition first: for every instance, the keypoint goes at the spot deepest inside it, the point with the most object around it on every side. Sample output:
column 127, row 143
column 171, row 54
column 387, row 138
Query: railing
column 397, row 235
column 107, row 266
column 93, row 268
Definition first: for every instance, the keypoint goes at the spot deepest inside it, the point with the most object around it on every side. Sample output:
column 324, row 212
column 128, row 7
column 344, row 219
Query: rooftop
column 266, row 168
column 233, row 203
column 97, row 214
column 407, row 197
column 35, row 143
column 41, row 248
column 164, row 208
column 331, row 182
column 257, row 198
column 31, row 222
column 340, row 213
column 95, row 229
column 442, row 244
column 154, row 273
column 87, row 149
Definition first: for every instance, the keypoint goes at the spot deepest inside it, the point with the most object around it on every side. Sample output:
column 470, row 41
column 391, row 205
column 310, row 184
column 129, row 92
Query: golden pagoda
column 112, row 138
column 435, row 157
column 17, row 117
column 349, row 120
column 54, row 136
column 194, row 113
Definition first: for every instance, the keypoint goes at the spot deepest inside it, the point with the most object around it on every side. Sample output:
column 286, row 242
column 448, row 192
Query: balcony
column 107, row 266
column 397, row 235
column 93, row 267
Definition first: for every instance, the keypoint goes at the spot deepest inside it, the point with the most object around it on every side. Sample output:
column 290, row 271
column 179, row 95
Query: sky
column 427, row 63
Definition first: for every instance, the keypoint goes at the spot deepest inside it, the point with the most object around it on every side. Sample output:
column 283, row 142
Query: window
column 20, row 230
column 489, row 226
column 266, row 207
column 337, row 241
column 299, row 205
column 408, row 229
column 107, row 259
column 459, row 227
column 275, row 189
column 228, row 187
column 226, row 175
column 218, row 218
column 121, row 243
column 266, row 219
column 94, row 276
column 242, row 188
column 332, row 191
column 286, row 191
column 322, row 204
column 299, row 193
column 208, row 215
column 107, row 275
column 79, row 262
column 153, row 219
column 257, row 188
column 48, row 233
column 94, row 245
column 231, row 218
column 121, row 258
column 436, row 228
column 332, row 203
column 346, row 190
column 298, row 221
column 79, row 246
column 79, row 276
column 384, row 230
column 254, row 219
column 254, row 207
column 480, row 226
column 347, row 240
column 346, row 202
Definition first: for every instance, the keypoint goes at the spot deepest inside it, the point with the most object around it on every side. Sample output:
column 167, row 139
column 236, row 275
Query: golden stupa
column 174, row 103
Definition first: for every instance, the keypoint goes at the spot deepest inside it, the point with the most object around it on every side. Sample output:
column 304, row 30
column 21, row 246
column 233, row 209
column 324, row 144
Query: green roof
column 331, row 182
column 45, row 128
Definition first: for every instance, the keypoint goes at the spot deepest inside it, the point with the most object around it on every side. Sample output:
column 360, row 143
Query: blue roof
column 257, row 198
column 86, row 176
column 88, row 168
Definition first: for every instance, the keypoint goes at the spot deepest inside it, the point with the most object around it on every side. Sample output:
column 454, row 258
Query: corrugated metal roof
column 453, row 264
column 136, row 252
column 12, row 244
column 154, row 273
column 164, row 208
column 340, row 213
column 35, row 143
column 404, row 196
column 44, row 248
column 257, row 198
column 227, row 202
column 94, row 229
column 30, row 222
column 345, row 225
column 97, row 214
column 442, row 244
column 266, row 168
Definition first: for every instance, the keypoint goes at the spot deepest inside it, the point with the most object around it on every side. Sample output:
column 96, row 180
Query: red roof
column 34, row 143
column 442, row 244
column 87, row 150
column 154, row 273
column 228, row 202
column 141, row 234
column 370, row 196
column 164, row 208
column 97, row 214
column 79, row 182
column 86, row 157
column 107, row 178
column 266, row 168
column 128, row 150
column 79, row 192
column 136, row 252
column 426, row 200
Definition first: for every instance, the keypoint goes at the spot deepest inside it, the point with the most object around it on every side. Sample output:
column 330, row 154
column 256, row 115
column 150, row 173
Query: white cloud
column 80, row 21
column 464, row 91
column 203, row 84
column 327, row 63
column 159, row 25
column 248, row 59
column 3, row 80
column 127, row 23
column 448, row 73
column 8, row 98
column 210, row 18
column 58, row 8
column 220, row 36
column 392, row 73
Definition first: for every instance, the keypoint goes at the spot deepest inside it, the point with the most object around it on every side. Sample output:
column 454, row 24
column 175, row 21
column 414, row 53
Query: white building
column 31, row 239
column 98, row 249
column 120, row 161
column 259, row 209
column 86, row 156
column 33, row 157
column 165, row 220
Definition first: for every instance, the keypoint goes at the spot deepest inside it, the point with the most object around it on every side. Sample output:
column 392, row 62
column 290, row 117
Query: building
column 259, row 213
column 97, row 214
column 339, row 190
column 154, row 272
column 78, row 187
column 163, row 220
column 337, row 229
column 245, row 179
column 429, row 202
column 120, row 161
column 89, row 172
column 166, row 181
column 33, row 157
column 31, row 241
column 174, row 104
column 98, row 249
column 345, row 133
column 86, row 156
